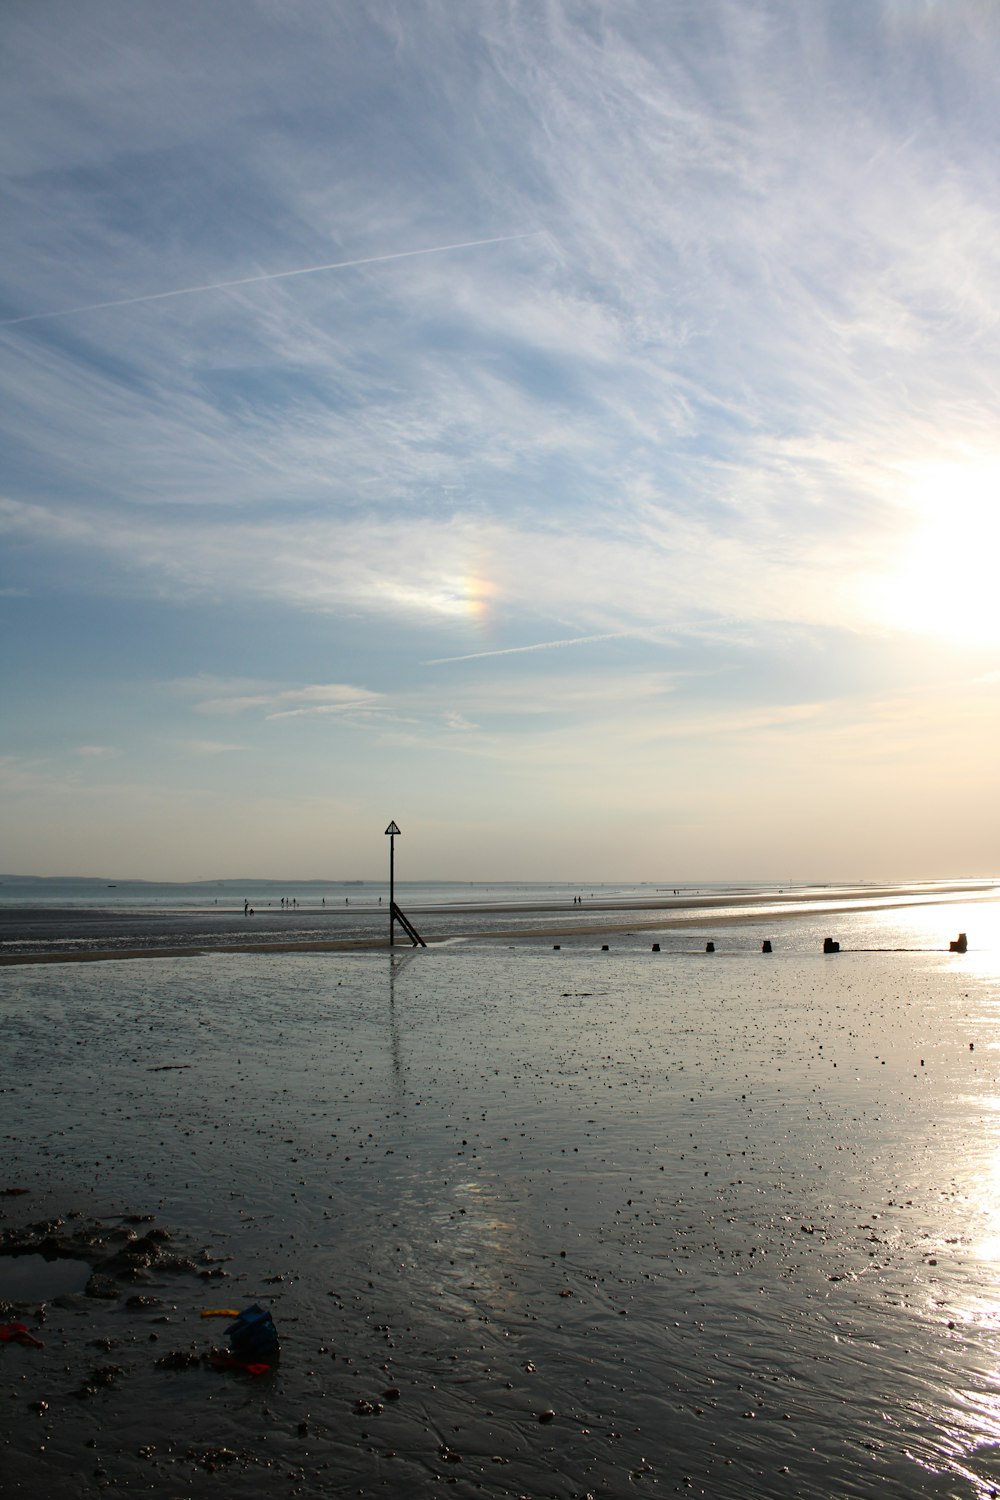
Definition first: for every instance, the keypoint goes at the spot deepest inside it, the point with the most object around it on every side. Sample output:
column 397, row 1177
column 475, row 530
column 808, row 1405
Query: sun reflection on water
column 933, row 926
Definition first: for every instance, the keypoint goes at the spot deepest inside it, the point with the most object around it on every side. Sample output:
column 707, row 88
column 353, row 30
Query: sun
column 945, row 582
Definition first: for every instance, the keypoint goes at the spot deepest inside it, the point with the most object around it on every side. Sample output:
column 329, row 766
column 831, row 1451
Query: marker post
column 392, row 832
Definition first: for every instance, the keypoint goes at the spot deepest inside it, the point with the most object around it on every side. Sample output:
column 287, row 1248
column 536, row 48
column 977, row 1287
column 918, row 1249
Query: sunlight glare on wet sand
column 733, row 1219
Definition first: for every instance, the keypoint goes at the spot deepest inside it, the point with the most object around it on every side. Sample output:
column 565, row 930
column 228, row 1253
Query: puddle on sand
column 33, row 1278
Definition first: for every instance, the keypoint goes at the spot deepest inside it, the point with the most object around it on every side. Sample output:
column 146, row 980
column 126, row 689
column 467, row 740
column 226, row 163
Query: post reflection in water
column 397, row 963
column 469, row 1213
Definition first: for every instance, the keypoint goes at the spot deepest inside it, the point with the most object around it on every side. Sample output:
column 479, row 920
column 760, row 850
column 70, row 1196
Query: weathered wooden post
column 395, row 915
column 392, row 832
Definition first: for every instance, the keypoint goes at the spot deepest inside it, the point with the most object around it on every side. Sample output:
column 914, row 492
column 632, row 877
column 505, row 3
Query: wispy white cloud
column 663, row 573
column 688, row 420
column 279, row 702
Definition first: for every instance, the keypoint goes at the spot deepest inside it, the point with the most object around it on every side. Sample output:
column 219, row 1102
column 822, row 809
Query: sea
column 540, row 1209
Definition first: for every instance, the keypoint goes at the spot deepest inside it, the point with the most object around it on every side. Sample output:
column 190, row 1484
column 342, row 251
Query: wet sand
column 604, row 1222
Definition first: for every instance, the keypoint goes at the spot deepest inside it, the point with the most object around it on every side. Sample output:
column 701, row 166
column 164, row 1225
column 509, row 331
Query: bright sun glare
column 946, row 581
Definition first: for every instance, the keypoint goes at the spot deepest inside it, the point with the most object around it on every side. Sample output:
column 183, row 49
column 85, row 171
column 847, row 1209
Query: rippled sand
column 733, row 1222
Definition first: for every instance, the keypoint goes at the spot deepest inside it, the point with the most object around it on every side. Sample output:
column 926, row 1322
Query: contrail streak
column 219, row 286
column 574, row 640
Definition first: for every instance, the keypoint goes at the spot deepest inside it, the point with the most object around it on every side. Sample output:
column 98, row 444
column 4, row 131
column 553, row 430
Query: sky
column 568, row 428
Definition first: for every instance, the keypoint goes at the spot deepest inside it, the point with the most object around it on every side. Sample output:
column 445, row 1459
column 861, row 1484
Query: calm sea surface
column 106, row 895
column 732, row 1219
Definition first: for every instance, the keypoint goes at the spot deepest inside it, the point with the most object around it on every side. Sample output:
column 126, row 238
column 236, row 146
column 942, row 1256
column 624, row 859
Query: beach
column 530, row 1220
column 54, row 922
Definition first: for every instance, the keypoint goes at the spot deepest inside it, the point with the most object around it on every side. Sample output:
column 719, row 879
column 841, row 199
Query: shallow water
column 34, row 1278
column 734, row 1220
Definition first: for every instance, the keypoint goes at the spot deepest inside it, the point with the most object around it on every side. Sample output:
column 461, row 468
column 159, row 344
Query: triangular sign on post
column 392, row 829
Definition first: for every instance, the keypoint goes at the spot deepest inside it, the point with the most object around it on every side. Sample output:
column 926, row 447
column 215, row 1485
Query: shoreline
column 671, row 918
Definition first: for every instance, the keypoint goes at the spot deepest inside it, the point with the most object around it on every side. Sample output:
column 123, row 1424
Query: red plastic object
column 18, row 1333
column 228, row 1362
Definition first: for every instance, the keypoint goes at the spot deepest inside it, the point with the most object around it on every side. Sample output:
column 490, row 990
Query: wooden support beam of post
column 408, row 927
